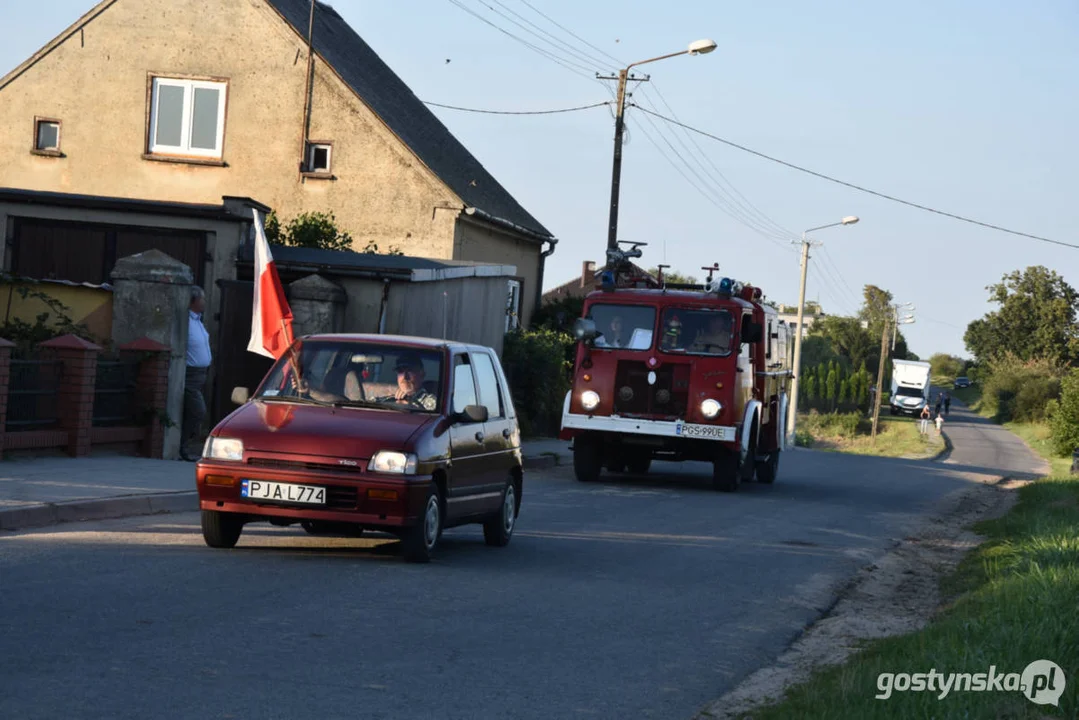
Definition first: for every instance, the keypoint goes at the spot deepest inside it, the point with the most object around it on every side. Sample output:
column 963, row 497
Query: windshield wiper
column 294, row 399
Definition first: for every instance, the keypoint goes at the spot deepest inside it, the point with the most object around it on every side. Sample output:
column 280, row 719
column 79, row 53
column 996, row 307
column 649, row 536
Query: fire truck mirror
column 584, row 329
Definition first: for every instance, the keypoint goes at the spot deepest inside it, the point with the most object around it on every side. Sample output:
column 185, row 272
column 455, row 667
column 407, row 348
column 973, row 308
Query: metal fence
column 33, row 392
column 115, row 392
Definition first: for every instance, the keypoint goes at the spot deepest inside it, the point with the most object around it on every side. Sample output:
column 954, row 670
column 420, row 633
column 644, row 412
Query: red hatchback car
column 350, row 432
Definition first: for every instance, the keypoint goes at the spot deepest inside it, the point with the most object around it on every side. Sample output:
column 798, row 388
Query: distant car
column 396, row 434
column 962, row 382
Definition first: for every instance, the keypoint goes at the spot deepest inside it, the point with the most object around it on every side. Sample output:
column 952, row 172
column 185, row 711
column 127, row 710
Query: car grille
column 297, row 465
column 669, row 397
column 340, row 497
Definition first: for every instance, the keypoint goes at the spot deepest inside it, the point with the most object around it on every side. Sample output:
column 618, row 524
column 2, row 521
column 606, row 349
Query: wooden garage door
column 85, row 252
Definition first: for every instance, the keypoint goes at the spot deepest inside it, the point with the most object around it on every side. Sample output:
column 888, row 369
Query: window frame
column 309, row 167
column 189, row 83
column 462, row 359
column 49, row 152
column 500, row 404
column 514, row 292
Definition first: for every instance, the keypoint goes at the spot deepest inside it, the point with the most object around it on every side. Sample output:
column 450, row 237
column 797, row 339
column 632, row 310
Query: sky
column 966, row 107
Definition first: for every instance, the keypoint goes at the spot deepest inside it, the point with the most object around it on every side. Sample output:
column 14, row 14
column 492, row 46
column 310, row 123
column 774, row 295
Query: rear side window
column 490, row 393
column 464, row 387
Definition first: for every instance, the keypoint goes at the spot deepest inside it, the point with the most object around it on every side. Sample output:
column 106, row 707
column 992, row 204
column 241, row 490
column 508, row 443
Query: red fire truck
column 678, row 373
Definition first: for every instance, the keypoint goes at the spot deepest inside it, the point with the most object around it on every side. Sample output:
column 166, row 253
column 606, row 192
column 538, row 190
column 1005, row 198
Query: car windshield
column 357, row 374
column 628, row 327
column 698, row 332
column 913, row 392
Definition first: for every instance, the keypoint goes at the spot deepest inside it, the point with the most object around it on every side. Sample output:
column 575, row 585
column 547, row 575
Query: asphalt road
column 640, row 597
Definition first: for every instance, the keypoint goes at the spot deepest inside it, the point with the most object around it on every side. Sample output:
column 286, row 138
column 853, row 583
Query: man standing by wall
column 198, row 364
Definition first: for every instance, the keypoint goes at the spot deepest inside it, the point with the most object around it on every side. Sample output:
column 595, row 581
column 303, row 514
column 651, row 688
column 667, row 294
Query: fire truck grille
column 668, row 397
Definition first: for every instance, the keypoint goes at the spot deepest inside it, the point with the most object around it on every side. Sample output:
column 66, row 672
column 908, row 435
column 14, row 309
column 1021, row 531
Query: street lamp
column 698, row 47
column 793, row 414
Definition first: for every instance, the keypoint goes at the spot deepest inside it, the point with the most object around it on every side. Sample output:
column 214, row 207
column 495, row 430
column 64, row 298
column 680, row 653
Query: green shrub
column 538, row 365
column 1015, row 390
column 1063, row 415
column 558, row 315
column 845, row 425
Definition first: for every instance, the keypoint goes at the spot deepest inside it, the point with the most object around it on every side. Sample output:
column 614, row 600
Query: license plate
column 707, row 432
column 283, row 492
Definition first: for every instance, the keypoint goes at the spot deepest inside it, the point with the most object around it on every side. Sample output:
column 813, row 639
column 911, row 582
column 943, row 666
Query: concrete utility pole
column 700, row 47
column 880, row 376
column 797, row 369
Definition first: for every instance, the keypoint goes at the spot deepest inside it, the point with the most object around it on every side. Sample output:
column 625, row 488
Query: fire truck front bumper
column 657, row 428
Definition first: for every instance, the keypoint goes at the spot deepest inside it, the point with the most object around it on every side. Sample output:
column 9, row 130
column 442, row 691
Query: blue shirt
column 198, row 342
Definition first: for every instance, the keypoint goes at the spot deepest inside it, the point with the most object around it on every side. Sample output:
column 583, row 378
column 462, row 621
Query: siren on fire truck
column 678, row 372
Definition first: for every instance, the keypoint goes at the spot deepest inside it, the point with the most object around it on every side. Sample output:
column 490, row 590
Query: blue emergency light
column 726, row 286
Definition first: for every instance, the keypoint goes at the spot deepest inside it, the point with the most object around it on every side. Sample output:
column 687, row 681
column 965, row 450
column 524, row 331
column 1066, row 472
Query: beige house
column 191, row 101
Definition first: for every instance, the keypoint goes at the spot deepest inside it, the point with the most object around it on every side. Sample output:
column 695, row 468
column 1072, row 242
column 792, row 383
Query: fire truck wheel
column 639, row 465
column 587, row 459
column 616, row 466
column 768, row 469
column 726, row 475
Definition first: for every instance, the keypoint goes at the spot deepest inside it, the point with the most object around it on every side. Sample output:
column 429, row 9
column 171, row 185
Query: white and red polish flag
column 271, row 319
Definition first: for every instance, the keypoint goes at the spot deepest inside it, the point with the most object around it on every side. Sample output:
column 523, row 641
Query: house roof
column 155, row 207
column 406, row 115
column 384, row 267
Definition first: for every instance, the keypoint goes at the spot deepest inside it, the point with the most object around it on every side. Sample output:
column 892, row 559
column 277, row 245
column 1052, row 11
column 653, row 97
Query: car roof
column 413, row 341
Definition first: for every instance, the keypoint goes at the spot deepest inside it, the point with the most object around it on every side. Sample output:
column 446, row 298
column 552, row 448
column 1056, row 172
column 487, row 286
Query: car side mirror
column 473, row 414
column 240, row 395
column 584, row 329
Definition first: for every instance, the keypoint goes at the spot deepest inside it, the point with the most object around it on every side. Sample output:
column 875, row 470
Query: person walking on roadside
column 940, row 422
column 923, row 421
column 198, row 365
column 947, row 403
column 940, row 400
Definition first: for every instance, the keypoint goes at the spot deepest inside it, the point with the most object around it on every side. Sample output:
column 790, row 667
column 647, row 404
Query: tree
column 1064, row 415
column 1036, row 318
column 946, row 366
column 558, row 315
column 844, row 391
column 846, row 337
column 315, row 230
column 672, row 277
column 833, row 385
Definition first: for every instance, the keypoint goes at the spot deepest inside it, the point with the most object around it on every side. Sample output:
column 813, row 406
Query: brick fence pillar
column 5, row 379
column 152, row 391
column 75, row 400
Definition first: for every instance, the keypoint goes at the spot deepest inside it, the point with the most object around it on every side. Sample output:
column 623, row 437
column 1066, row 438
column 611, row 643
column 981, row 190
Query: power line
column 519, row 112
column 568, row 47
column 553, row 22
column 573, row 59
column 853, row 186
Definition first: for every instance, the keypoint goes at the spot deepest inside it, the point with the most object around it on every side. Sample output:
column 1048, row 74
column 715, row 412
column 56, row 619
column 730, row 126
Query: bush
column 558, row 315
column 538, row 365
column 947, row 366
column 1064, row 416
column 1015, row 390
column 844, row 425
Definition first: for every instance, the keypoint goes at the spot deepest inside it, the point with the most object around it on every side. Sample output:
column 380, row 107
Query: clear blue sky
column 969, row 107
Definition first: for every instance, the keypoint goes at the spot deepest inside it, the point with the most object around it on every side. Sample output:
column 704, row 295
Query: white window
column 47, row 135
column 513, row 305
column 318, row 157
column 187, row 117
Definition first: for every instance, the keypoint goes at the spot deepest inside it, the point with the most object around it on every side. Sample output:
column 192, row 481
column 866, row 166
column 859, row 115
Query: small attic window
column 46, row 136
column 319, row 157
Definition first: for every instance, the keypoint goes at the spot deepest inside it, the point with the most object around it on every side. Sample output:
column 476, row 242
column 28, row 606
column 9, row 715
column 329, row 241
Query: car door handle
column 506, row 433
column 479, row 437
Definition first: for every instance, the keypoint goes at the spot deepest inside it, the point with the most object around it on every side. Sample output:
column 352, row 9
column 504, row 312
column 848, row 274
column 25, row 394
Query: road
column 639, row 597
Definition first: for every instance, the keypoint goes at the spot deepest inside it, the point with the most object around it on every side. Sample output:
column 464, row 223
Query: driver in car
column 410, row 389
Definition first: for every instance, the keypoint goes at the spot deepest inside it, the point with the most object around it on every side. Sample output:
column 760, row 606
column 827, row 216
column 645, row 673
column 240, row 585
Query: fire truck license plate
column 707, row 432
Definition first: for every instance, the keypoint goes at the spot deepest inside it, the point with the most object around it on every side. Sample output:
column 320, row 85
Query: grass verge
column 1039, row 437
column 1013, row 602
column 851, row 433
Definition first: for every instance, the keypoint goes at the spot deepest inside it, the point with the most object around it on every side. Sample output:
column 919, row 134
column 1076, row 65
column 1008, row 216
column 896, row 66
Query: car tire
column 639, row 464
column 587, row 459
column 221, row 530
column 419, row 541
column 768, row 469
column 498, row 530
column 726, row 475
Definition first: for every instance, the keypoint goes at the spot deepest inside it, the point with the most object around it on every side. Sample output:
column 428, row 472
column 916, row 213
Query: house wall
column 96, row 83
column 477, row 241
column 87, row 306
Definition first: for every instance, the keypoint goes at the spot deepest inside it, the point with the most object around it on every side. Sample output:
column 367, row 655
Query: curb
column 43, row 515
column 540, row 462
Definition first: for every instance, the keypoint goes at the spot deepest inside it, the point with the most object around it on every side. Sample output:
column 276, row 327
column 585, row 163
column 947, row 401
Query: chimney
column 588, row 272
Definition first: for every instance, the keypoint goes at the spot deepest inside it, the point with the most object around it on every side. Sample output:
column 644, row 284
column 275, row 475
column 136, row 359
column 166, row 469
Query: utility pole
column 616, row 170
column 880, row 376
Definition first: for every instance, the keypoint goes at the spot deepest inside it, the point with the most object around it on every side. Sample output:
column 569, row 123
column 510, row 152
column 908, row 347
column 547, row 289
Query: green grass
column 1013, row 600
column 1038, row 436
column 896, row 436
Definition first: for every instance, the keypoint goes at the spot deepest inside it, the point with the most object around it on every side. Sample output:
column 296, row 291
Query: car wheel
column 587, row 459
column 768, row 469
column 726, row 475
column 221, row 530
column 498, row 529
column 420, row 540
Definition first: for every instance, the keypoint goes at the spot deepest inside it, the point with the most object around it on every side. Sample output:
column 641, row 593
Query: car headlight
column 219, row 448
column 590, row 399
column 710, row 408
column 390, row 461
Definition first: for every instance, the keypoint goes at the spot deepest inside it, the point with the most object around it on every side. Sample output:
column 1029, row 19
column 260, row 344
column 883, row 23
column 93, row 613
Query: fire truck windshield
column 697, row 332
column 628, row 327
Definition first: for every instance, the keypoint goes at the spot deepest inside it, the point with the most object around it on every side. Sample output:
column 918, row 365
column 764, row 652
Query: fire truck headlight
column 710, row 408
column 590, row 399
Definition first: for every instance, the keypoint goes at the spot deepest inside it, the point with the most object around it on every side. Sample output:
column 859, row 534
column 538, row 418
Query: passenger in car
column 716, row 338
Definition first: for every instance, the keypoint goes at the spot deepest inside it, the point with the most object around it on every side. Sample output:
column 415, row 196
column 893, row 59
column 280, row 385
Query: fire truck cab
column 679, row 374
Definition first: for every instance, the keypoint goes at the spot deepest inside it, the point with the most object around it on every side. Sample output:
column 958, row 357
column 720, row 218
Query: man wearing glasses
column 410, row 388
